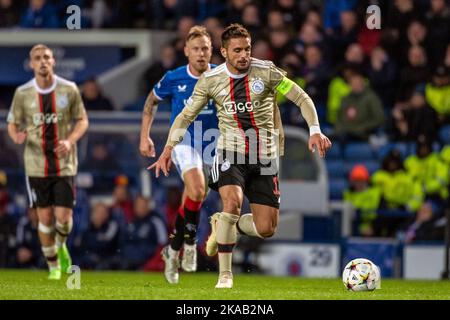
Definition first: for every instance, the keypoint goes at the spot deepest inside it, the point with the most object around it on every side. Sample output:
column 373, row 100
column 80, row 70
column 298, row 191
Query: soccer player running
column 178, row 85
column 48, row 115
column 243, row 89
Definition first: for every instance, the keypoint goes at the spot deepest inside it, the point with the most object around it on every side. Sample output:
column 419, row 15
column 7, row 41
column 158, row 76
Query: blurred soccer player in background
column 48, row 115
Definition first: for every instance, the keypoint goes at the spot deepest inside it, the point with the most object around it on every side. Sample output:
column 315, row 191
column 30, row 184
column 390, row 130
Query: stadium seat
column 405, row 148
column 359, row 151
column 372, row 166
column 81, row 213
column 444, row 134
column 336, row 169
column 337, row 188
column 401, row 147
column 412, row 147
column 394, row 213
column 335, row 152
column 136, row 105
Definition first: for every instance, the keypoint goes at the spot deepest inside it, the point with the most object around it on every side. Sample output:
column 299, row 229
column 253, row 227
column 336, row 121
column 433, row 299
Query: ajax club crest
column 257, row 86
column 62, row 101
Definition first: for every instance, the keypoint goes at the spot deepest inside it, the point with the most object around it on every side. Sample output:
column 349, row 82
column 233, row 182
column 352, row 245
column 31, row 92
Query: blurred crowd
column 406, row 198
column 395, row 80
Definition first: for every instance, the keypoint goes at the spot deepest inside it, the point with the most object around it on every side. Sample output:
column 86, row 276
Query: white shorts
column 186, row 158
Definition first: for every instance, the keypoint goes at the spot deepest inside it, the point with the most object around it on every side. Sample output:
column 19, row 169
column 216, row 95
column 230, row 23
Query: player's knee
column 197, row 194
column 232, row 205
column 46, row 220
column 266, row 230
column 64, row 220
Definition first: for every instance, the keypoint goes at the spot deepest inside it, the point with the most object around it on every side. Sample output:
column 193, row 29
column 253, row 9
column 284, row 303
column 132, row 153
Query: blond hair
column 197, row 31
column 39, row 47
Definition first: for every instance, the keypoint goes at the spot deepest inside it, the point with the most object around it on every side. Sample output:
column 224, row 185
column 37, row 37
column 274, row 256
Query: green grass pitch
column 15, row 284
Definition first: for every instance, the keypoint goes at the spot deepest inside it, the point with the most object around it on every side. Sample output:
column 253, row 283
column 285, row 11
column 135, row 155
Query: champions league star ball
column 361, row 275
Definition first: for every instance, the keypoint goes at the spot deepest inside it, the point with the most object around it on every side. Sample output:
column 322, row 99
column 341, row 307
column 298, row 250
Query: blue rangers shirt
column 178, row 85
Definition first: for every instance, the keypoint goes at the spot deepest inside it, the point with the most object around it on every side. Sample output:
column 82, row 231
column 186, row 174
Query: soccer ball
column 361, row 275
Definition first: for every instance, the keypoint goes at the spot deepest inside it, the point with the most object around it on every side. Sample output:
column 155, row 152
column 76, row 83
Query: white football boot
column 171, row 266
column 225, row 281
column 189, row 260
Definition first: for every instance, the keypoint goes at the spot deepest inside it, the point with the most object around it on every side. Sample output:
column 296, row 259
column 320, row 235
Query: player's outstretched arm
column 146, row 145
column 297, row 95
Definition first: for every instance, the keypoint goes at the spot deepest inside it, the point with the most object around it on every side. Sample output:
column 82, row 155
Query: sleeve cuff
column 156, row 95
column 314, row 129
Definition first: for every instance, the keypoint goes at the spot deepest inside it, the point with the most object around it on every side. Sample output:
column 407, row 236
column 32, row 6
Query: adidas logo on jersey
column 182, row 88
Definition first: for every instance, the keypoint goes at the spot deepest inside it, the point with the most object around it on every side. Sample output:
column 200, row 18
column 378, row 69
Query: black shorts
column 258, row 180
column 51, row 191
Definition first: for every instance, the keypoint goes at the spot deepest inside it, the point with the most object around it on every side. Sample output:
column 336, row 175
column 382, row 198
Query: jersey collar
column 48, row 90
column 192, row 75
column 232, row 75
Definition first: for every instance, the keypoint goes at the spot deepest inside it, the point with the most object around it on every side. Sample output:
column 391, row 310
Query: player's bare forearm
column 79, row 130
column 151, row 105
column 148, row 114
column 13, row 129
column 146, row 125
column 65, row 146
column 17, row 136
column 146, row 146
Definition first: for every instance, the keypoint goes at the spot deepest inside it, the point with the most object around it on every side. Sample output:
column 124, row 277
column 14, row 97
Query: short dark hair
column 234, row 30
